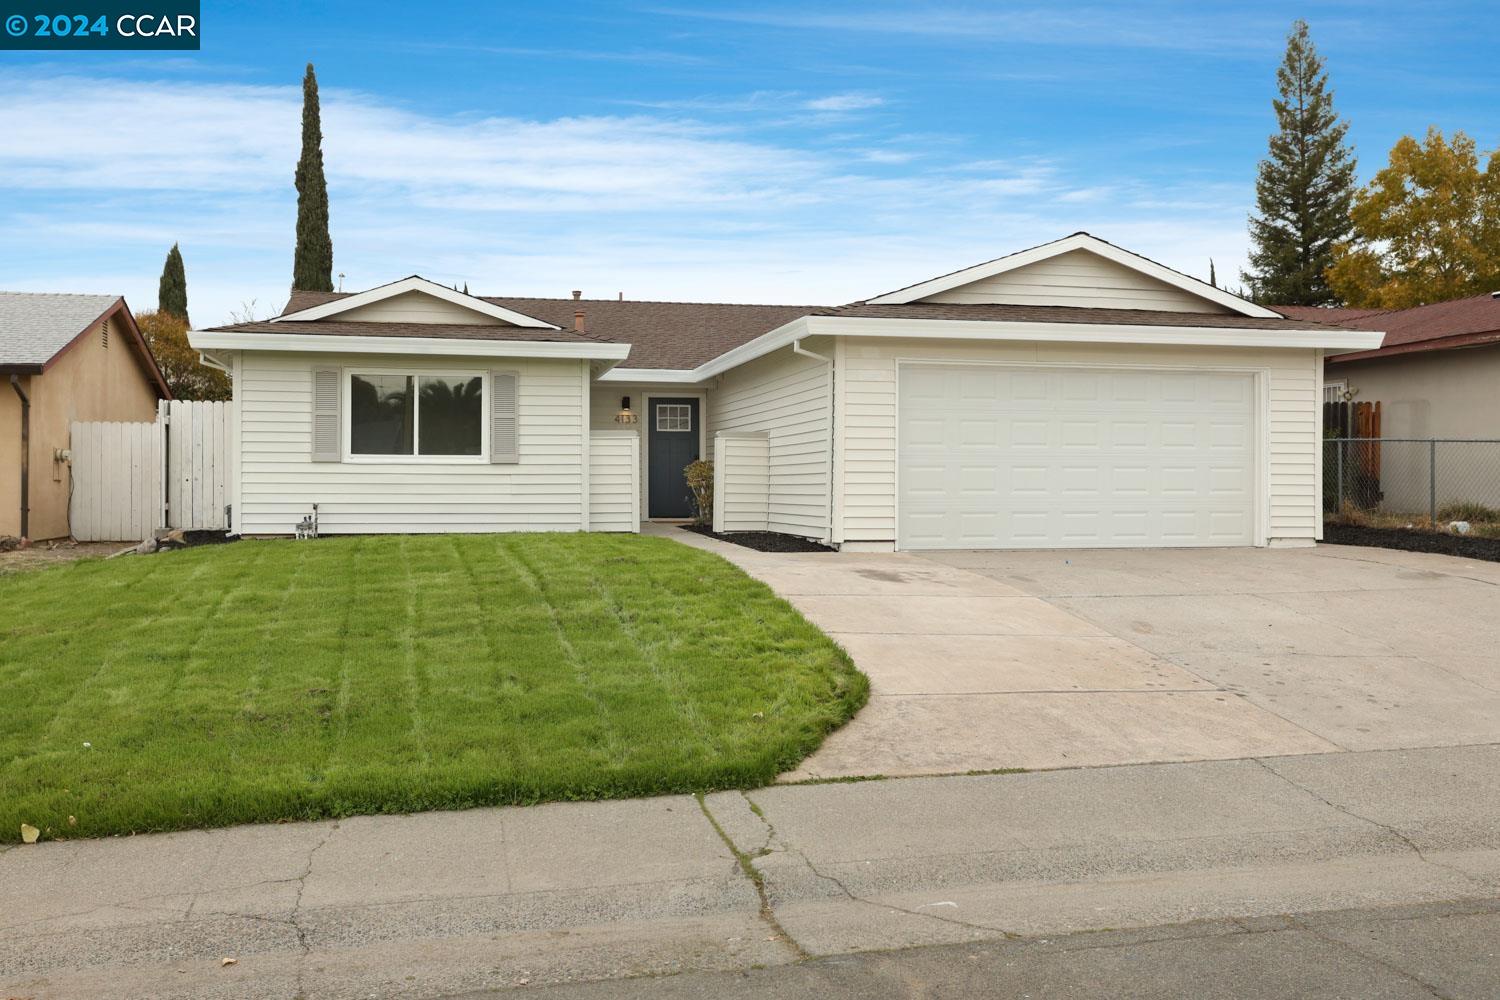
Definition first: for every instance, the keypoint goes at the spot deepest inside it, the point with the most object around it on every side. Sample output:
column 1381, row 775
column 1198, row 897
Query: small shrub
column 1467, row 510
column 700, row 479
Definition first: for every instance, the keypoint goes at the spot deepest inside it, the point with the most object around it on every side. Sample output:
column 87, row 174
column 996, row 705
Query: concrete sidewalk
column 442, row 903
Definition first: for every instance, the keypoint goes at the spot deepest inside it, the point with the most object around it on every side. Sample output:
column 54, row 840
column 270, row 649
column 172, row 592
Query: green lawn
column 272, row 680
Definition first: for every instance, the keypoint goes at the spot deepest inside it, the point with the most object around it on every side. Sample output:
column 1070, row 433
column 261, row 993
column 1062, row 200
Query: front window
column 416, row 415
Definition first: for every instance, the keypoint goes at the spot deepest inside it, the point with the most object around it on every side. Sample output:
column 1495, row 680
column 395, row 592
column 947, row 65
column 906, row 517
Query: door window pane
column 452, row 414
column 674, row 417
column 380, row 414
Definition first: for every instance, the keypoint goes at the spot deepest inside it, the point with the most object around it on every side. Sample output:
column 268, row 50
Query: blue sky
column 788, row 152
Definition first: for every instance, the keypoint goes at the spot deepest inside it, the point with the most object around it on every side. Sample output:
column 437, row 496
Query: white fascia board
column 1096, row 333
column 414, row 284
column 1078, row 241
column 210, row 340
column 665, row 375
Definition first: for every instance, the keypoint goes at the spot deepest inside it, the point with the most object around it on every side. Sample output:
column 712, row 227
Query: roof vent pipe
column 577, row 294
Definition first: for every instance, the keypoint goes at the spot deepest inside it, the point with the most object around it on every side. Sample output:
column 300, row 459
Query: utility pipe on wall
column 15, row 383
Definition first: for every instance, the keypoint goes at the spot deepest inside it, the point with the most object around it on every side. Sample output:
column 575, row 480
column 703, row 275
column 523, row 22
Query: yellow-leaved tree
column 1427, row 227
column 167, row 336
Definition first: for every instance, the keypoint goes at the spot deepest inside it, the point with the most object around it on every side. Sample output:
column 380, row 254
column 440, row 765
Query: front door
column 672, row 442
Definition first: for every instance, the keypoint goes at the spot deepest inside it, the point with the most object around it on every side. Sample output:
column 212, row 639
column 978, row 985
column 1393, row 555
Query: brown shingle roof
column 1469, row 322
column 1066, row 314
column 675, row 335
column 684, row 335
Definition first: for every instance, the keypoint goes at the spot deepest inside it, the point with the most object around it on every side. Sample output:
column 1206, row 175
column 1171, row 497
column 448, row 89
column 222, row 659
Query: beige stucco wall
column 1437, row 394
column 88, row 381
column 1446, row 394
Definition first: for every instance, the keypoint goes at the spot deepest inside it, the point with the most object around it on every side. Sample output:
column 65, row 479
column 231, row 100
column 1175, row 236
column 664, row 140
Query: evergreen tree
column 1213, row 276
column 171, row 293
column 1304, row 187
column 312, row 265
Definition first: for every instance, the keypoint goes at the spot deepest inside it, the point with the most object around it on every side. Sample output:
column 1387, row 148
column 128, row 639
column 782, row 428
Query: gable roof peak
column 412, row 283
column 1080, row 240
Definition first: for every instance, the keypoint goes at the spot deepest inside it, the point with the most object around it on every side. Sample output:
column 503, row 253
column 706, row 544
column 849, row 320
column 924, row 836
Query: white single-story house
column 1070, row 395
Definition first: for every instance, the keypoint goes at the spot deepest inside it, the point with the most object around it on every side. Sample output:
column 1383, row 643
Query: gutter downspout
column 797, row 348
column 15, row 383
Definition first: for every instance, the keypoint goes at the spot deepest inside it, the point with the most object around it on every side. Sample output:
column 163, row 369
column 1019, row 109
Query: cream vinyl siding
column 279, row 482
column 787, row 397
column 741, row 482
column 1288, row 418
column 416, row 307
column 1078, row 278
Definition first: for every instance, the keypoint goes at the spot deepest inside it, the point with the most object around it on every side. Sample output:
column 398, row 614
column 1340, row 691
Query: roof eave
column 1453, row 343
column 1097, row 333
column 219, row 340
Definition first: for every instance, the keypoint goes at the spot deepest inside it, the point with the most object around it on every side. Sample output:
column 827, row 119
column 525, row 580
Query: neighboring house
column 1074, row 394
column 1436, row 374
column 62, row 358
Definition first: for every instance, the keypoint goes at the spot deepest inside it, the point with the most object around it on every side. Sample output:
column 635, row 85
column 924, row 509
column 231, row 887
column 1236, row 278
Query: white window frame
column 347, row 387
column 1342, row 385
column 657, row 414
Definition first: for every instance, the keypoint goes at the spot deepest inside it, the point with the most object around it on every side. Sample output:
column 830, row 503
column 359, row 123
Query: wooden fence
column 130, row 479
column 117, row 481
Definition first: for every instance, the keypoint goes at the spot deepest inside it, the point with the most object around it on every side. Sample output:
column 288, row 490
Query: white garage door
column 995, row 457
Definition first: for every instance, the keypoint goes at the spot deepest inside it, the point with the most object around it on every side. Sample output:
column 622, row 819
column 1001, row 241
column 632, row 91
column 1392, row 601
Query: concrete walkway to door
column 971, row 673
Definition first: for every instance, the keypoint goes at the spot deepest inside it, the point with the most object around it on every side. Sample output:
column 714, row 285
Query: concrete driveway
column 991, row 660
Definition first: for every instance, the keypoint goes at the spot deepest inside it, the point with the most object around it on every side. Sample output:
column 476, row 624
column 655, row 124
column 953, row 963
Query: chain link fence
column 1421, row 482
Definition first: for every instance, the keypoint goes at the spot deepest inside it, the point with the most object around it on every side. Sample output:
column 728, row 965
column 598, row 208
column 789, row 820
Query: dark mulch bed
column 1466, row 546
column 761, row 541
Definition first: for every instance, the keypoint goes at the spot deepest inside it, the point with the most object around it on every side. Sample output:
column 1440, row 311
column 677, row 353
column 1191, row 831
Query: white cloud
column 102, row 175
column 844, row 102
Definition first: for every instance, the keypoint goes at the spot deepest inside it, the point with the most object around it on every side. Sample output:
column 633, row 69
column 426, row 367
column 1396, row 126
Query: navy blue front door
column 672, row 440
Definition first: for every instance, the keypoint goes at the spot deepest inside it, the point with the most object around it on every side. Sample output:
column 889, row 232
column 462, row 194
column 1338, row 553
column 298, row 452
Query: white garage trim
column 1259, row 416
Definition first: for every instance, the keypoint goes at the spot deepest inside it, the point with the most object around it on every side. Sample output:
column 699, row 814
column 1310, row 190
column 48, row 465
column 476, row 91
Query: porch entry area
column 674, row 438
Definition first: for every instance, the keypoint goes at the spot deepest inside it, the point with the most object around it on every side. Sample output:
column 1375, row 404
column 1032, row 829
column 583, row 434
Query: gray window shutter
column 504, row 391
column 327, row 428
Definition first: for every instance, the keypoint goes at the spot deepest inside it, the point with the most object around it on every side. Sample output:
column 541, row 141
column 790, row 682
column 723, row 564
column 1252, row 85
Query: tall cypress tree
column 171, row 293
column 312, row 265
column 1304, row 188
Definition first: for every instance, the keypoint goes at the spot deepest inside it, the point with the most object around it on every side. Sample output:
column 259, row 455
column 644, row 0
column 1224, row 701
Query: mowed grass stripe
column 272, row 680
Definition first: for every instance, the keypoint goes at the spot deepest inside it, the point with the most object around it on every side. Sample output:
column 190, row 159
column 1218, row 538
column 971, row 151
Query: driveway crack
column 1388, row 828
column 772, row 837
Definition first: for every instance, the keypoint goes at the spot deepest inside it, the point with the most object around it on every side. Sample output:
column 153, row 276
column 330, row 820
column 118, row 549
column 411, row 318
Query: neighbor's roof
column 670, row 335
column 35, row 326
column 1006, row 313
column 1470, row 322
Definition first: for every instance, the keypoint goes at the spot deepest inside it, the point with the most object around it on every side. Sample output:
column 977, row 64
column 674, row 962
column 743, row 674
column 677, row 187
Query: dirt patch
column 761, row 541
column 1467, row 546
column 42, row 554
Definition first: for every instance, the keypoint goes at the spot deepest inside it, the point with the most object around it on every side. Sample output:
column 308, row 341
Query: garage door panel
column 1075, row 457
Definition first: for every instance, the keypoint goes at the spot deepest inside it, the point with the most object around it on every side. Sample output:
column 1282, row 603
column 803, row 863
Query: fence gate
column 117, row 481
column 197, row 462
column 129, row 479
